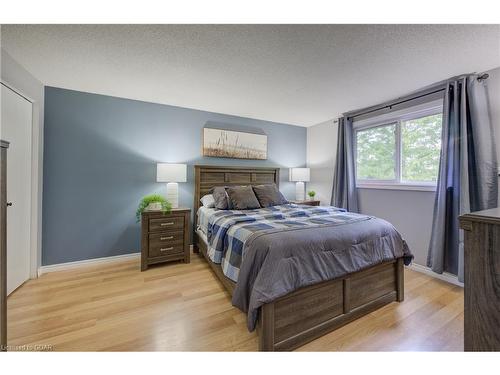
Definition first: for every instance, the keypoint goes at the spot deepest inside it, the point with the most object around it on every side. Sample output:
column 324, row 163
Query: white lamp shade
column 299, row 174
column 166, row 172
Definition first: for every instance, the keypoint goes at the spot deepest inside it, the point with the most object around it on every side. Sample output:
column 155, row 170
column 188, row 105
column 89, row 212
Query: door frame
column 36, row 180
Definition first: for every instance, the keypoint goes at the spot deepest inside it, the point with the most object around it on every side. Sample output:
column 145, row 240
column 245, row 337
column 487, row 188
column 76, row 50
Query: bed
column 293, row 305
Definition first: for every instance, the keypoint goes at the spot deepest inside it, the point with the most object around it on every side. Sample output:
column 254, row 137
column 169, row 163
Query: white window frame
column 395, row 118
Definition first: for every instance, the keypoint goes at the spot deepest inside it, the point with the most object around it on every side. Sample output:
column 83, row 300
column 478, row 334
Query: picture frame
column 234, row 144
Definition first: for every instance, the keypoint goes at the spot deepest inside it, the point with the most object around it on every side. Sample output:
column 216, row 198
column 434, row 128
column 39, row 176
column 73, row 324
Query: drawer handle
column 166, row 238
column 165, row 224
column 166, row 249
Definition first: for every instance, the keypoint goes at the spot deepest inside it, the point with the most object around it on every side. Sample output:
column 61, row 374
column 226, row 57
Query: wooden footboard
column 310, row 312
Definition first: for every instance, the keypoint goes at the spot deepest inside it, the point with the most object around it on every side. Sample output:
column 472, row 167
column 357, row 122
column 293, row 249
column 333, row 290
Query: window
column 399, row 150
column 420, row 148
column 376, row 153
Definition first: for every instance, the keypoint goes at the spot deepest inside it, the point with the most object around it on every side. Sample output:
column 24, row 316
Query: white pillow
column 208, row 201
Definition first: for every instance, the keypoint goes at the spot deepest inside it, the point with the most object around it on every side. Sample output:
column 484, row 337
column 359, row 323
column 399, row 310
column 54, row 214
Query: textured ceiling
column 297, row 74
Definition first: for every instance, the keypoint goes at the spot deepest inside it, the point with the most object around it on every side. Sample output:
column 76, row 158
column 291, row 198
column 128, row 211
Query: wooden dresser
column 165, row 237
column 3, row 245
column 482, row 280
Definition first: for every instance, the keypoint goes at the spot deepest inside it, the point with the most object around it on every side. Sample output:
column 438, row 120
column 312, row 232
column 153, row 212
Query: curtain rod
column 483, row 77
column 435, row 88
column 396, row 103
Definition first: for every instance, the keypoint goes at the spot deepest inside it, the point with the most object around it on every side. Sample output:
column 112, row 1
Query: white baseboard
column 90, row 262
column 448, row 277
column 87, row 262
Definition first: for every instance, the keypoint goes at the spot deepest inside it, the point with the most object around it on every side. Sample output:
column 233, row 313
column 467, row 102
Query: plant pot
column 154, row 206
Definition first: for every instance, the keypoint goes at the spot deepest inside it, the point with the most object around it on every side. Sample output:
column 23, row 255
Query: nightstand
column 165, row 237
column 307, row 203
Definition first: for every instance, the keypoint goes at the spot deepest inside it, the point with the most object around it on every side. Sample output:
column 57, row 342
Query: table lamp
column 299, row 175
column 171, row 174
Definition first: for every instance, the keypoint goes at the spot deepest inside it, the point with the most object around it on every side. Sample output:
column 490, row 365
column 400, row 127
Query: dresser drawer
column 166, row 223
column 165, row 239
column 163, row 250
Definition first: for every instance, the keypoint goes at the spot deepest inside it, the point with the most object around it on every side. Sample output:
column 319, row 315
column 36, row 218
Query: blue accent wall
column 100, row 156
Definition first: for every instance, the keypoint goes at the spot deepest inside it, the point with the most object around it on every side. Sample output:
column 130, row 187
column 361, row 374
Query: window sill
column 397, row 187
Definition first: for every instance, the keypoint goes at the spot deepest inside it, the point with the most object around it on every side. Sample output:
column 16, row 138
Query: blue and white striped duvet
column 227, row 230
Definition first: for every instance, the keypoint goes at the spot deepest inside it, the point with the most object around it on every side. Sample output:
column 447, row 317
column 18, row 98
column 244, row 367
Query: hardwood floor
column 183, row 307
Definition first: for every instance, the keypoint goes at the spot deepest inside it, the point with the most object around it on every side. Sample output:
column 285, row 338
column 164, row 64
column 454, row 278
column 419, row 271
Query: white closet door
column 17, row 117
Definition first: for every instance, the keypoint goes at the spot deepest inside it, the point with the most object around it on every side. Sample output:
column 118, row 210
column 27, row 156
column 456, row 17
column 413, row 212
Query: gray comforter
column 277, row 262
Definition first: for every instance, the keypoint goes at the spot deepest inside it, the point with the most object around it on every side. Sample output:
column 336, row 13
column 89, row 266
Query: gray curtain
column 344, row 193
column 468, row 174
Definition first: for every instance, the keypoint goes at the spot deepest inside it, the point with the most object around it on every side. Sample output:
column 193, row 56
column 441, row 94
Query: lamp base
column 299, row 191
column 173, row 194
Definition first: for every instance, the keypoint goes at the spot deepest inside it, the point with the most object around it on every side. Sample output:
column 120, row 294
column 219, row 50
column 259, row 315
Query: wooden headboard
column 208, row 176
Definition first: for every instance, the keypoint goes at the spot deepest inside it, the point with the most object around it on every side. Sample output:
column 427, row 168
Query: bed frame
column 310, row 312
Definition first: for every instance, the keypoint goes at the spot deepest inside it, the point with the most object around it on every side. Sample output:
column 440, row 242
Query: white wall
column 410, row 211
column 18, row 78
column 321, row 155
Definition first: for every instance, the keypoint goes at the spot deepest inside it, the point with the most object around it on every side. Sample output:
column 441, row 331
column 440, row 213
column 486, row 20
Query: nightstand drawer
column 162, row 250
column 166, row 239
column 166, row 223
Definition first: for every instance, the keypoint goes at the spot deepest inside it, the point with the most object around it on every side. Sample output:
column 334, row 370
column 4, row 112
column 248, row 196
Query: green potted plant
column 153, row 202
column 311, row 194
